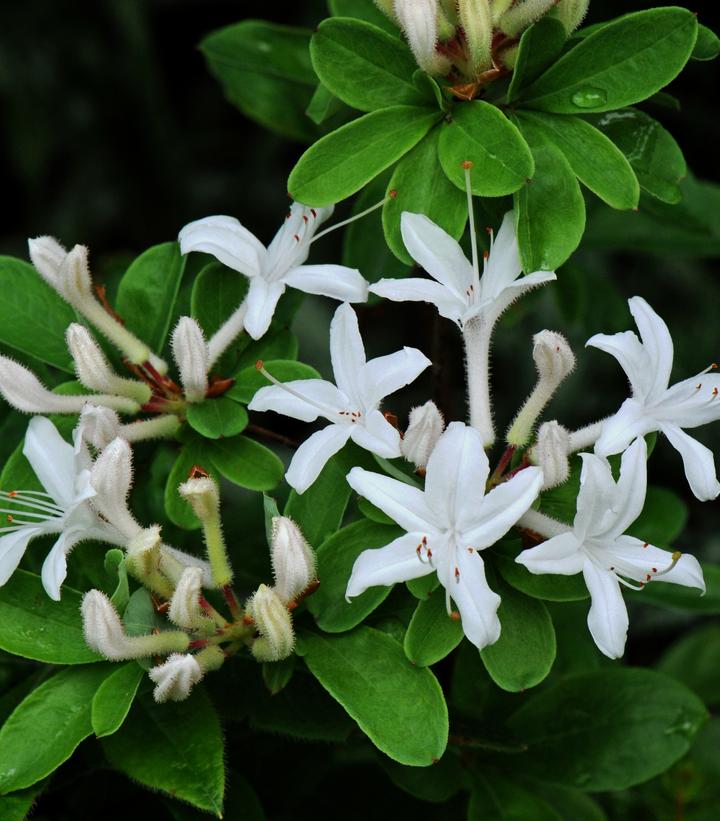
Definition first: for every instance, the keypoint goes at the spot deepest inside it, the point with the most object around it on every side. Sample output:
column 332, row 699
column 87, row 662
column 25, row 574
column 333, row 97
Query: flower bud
column 175, row 678
column 273, row 622
column 551, row 454
column 386, row 7
column 203, row 496
column 144, row 561
column 192, row 358
column 425, row 427
column 498, row 8
column 185, row 609
column 522, row 15
column 476, row 21
column 293, row 560
column 111, row 476
column 571, row 13
column 419, row 21
column 98, row 426
column 47, row 255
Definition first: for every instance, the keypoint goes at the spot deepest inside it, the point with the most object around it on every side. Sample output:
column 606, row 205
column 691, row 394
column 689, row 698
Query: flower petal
column 227, row 240
column 640, row 560
column 396, row 562
column 54, row 569
column 13, row 547
column 657, row 342
column 690, row 403
column 632, row 356
column 386, row 374
column 503, row 265
column 347, row 352
column 608, row 618
column 377, row 435
column 698, row 462
column 310, row 458
column 403, row 503
column 335, row 281
column 562, row 555
column 630, row 490
column 414, row 289
column 52, row 459
column 627, row 424
column 304, row 405
column 595, row 499
column 261, row 300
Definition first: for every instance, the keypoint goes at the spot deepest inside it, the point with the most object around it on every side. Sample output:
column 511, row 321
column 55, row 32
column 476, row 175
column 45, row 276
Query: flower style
column 656, row 407
column 459, row 293
column 447, row 526
column 272, row 269
column 596, row 546
column 352, row 407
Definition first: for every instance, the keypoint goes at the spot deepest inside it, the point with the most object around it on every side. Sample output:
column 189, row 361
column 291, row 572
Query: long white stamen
column 676, row 556
column 362, row 214
column 326, row 412
column 38, row 504
column 467, row 165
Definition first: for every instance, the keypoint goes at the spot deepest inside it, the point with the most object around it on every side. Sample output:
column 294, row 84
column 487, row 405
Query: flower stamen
column 391, row 196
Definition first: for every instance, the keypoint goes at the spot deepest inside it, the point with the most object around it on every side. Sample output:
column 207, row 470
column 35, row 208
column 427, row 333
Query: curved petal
column 503, row 265
column 54, row 569
column 398, row 561
column 456, row 474
column 12, row 549
column 632, row 356
column 403, row 503
column 627, row 424
column 227, row 240
column 52, row 459
column 347, row 352
column 608, row 618
column 500, row 509
column 377, row 435
column 630, row 490
column 657, row 342
column 595, row 499
column 386, row 374
column 690, row 403
column 261, row 301
column 645, row 563
column 561, row 555
column 309, row 399
column 335, row 281
column 310, row 458
column 414, row 289
column 437, row 252
column 698, row 462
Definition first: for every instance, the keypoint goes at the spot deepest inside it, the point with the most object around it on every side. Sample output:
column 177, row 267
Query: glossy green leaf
column 323, row 105
column 693, row 659
column 342, row 162
column 707, row 45
column 195, row 453
column 494, row 798
column 248, row 381
column 148, row 290
column 663, row 518
column 481, row 134
column 364, row 66
column 546, row 586
column 607, row 730
column 432, row 634
column 540, row 46
column 421, row 187
column 176, row 748
column 217, row 291
column 278, row 343
column 116, row 569
column 423, row 587
column 114, row 697
column 362, row 10
column 33, row 318
column 400, row 707
column 246, row 462
column 335, row 558
column 217, row 418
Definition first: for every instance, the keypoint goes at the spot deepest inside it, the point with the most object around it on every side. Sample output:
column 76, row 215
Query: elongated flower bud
column 571, row 13
column 98, row 426
column 273, row 622
column 190, row 352
column 522, row 15
column 111, row 476
column 185, row 610
column 419, row 22
column 293, row 560
column 47, row 255
column 551, row 454
column 476, row 21
column 175, row 678
column 144, row 561
column 425, row 427
column 203, row 496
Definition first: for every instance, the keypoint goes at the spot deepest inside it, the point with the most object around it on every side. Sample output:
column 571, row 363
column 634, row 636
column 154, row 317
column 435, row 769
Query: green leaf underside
column 248, row 381
column 431, row 634
column 114, row 697
column 400, row 707
column 707, row 45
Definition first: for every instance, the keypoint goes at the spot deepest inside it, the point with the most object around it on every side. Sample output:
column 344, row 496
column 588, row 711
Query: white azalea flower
column 656, row 407
column 459, row 292
column 352, row 407
column 447, row 526
column 272, row 269
column 596, row 546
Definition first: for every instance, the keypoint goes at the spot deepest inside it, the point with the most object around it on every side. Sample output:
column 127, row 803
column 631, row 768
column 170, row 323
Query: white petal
column 437, row 252
column 12, row 549
column 396, row 562
column 698, row 462
column 335, row 281
column 377, row 435
column 561, row 555
column 632, row 356
column 631, row 488
column 501, row 508
column 503, row 266
column 657, row 342
column 608, row 618
column 227, row 240
column 261, row 301
column 314, row 392
column 627, row 424
column 347, row 352
column 386, row 374
column 403, row 503
column 54, row 569
column 595, row 499
column 311, row 456
column 638, row 560
column 456, row 474
column 52, row 459
column 414, row 289
column 692, row 402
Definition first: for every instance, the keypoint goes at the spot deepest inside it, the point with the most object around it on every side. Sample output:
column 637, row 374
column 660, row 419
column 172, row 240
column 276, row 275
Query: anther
column 457, row 574
column 466, row 164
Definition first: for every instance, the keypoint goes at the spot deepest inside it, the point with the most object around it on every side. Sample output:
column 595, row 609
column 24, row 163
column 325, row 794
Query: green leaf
column 364, row 66
column 663, row 518
column 195, row 453
column 540, row 46
column 570, row 805
column 217, row 291
column 607, row 730
column 431, row 634
column 46, row 727
column 400, row 707
column 546, row 586
column 369, row 511
column 265, row 71
column 270, row 511
column 248, row 381
column 114, row 697
column 17, row 806
column 342, row 162
column 217, row 418
column 549, row 210
column 622, row 63
column 278, row 344
column 480, row 133
column 323, row 105
column 115, row 568
column 423, row 587
column 33, row 318
column 148, row 290
column 693, row 660
column 362, row 10
column 176, row 748
column 277, row 674
column 677, row 597
column 594, row 158
column 494, row 798
column 246, row 462
column 35, row 626
column 436, row 784
column 524, row 654
column 335, row 558
column 707, row 45
column 421, row 187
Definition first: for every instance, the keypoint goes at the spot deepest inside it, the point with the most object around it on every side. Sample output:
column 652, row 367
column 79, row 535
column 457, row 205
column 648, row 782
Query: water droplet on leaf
column 589, row 98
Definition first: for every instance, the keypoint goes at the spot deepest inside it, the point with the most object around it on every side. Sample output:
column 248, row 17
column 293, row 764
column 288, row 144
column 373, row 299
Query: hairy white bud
column 192, row 357
column 419, row 21
column 425, row 427
column 522, row 15
column 203, row 496
column 551, row 453
column 98, row 426
column 293, row 560
column 476, row 20
column 185, row 609
column 111, row 476
column 47, row 255
column 175, row 678
column 571, row 13
column 273, row 622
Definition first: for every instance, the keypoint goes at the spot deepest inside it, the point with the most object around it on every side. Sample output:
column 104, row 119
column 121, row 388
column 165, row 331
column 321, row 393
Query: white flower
column 192, row 357
column 447, row 526
column 352, row 407
column 293, row 560
column 272, row 269
column 550, row 453
column 425, row 427
column 458, row 292
column 597, row 547
column 656, row 407
column 175, row 678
